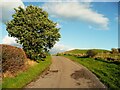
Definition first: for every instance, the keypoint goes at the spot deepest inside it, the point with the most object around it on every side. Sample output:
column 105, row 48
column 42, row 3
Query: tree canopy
column 34, row 30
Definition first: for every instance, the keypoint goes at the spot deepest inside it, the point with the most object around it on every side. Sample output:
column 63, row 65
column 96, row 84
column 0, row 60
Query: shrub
column 13, row 58
column 91, row 53
column 58, row 54
column 114, row 51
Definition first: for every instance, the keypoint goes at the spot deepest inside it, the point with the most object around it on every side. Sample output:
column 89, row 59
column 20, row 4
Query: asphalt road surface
column 64, row 73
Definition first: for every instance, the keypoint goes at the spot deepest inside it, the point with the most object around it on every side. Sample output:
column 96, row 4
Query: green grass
column 77, row 51
column 25, row 77
column 108, row 73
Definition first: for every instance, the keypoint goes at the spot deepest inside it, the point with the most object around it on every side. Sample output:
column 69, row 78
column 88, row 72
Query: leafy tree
column 91, row 53
column 34, row 30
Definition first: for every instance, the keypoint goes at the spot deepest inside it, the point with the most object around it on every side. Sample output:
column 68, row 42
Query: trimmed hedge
column 13, row 58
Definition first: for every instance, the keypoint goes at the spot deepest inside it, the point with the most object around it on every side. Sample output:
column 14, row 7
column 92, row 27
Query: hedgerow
column 13, row 58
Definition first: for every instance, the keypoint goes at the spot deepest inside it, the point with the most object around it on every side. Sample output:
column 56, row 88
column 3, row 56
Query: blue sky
column 83, row 25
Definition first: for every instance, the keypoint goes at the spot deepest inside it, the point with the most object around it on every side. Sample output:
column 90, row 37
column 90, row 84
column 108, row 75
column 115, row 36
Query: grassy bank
column 25, row 77
column 107, row 72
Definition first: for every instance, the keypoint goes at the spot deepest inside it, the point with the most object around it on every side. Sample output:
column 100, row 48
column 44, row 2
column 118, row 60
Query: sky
column 84, row 25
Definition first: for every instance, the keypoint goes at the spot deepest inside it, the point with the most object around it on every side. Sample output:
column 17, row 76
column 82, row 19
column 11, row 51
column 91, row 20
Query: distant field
column 107, row 71
column 76, row 51
column 101, row 54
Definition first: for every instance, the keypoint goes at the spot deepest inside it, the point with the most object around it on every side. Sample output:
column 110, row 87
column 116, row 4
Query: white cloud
column 58, row 25
column 57, row 0
column 7, row 7
column 70, row 0
column 117, row 19
column 10, row 41
column 77, row 11
column 59, row 48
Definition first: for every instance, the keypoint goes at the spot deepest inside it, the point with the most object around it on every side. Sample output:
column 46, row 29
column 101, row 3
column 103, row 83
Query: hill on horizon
column 83, row 51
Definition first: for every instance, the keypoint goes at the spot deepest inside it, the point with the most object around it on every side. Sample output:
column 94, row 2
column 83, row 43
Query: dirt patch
column 78, row 83
column 7, row 74
column 54, row 71
column 30, row 62
column 48, row 72
column 80, row 74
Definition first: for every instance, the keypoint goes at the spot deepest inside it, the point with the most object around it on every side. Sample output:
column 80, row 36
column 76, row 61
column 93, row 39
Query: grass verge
column 25, row 77
column 108, row 73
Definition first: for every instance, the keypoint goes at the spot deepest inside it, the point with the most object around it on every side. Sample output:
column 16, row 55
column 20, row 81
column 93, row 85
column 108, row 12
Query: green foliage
column 83, row 51
column 26, row 77
column 13, row 58
column 76, row 51
column 91, row 53
column 34, row 30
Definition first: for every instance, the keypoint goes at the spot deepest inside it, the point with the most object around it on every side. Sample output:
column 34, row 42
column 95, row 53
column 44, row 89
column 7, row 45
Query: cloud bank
column 60, row 48
column 7, row 10
column 7, row 7
column 77, row 11
column 70, row 0
column 10, row 41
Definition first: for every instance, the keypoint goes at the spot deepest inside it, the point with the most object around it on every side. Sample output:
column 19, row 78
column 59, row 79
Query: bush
column 91, row 53
column 13, row 58
column 58, row 54
column 114, row 51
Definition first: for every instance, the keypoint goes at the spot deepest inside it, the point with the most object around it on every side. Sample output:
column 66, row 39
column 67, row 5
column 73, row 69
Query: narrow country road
column 64, row 73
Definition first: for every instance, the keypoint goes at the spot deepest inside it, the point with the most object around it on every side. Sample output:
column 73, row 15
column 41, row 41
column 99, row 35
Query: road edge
column 98, row 80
